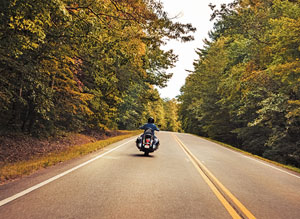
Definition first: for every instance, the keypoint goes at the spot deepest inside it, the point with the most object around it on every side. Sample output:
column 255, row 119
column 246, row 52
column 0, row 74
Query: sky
column 198, row 14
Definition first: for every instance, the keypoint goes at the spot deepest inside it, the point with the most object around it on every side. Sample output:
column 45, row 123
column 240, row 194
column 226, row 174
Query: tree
column 69, row 66
column 247, row 91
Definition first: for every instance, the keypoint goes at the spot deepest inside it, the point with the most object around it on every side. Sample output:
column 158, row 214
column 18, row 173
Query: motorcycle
column 147, row 142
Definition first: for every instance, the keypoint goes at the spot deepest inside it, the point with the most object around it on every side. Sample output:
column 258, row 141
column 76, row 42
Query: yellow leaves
column 69, row 59
column 35, row 26
column 288, row 72
column 294, row 102
column 289, row 67
column 28, row 31
column 67, row 87
column 85, row 109
column 295, row 106
column 75, row 101
column 138, row 49
column 286, row 27
column 216, row 59
column 284, row 37
column 141, row 48
column 49, row 67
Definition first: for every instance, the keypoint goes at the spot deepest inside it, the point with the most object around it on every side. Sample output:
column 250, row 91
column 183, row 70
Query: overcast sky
column 197, row 13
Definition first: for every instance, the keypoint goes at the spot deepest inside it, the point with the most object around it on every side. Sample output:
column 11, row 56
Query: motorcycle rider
column 150, row 125
column 153, row 127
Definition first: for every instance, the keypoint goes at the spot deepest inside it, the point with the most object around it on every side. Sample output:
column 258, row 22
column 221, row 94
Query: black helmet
column 150, row 120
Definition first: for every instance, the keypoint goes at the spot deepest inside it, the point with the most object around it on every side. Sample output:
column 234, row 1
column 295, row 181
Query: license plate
column 147, row 146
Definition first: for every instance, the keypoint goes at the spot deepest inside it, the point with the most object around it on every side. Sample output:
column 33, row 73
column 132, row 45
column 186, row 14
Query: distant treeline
column 87, row 64
column 245, row 87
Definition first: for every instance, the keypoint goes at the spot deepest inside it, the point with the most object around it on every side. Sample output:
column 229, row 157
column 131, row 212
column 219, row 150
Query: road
column 188, row 177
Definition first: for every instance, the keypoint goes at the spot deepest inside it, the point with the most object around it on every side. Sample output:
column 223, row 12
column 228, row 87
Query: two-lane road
column 122, row 183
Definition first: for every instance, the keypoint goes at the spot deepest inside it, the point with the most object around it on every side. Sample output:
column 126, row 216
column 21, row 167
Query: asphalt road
column 188, row 177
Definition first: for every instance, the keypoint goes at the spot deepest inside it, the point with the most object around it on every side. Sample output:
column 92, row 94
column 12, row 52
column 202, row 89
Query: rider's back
column 151, row 126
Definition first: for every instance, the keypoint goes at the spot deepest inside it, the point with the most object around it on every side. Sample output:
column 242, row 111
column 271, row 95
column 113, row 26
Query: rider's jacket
column 150, row 126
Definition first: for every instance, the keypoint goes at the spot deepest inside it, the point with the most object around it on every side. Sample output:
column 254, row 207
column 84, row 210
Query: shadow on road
column 141, row 155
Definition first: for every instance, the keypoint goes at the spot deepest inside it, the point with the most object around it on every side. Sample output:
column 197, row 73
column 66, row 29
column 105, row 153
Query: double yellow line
column 234, row 207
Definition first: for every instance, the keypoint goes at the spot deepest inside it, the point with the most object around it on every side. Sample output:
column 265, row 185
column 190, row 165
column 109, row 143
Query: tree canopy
column 245, row 87
column 88, row 64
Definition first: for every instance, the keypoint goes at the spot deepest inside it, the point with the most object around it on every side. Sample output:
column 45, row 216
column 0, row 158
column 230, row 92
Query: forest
column 72, row 66
column 245, row 86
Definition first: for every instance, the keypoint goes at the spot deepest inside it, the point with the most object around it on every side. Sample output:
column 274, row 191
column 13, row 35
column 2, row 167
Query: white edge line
column 251, row 158
column 276, row 168
column 259, row 161
column 26, row 191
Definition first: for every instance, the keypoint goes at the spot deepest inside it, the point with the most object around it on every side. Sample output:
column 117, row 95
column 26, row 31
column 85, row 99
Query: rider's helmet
column 150, row 120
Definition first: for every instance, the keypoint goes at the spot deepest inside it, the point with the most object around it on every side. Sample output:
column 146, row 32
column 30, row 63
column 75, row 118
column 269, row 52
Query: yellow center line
column 210, row 179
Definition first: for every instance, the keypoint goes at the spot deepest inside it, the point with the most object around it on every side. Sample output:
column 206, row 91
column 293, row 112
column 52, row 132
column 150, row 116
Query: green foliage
column 70, row 66
column 245, row 86
column 171, row 116
column 139, row 104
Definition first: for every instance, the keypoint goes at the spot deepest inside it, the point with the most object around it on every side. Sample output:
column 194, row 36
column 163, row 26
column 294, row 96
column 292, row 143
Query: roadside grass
column 295, row 169
column 14, row 170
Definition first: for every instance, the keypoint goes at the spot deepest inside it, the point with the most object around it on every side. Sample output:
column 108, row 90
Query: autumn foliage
column 77, row 65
